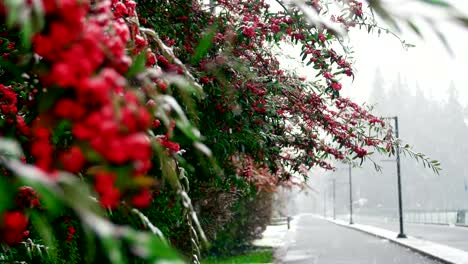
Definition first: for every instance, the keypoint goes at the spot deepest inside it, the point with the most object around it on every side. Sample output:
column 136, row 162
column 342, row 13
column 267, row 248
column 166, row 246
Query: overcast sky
column 428, row 64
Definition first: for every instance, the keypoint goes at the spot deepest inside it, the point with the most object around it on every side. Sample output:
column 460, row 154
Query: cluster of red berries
column 14, row 223
column 13, row 227
column 9, row 110
column 85, row 48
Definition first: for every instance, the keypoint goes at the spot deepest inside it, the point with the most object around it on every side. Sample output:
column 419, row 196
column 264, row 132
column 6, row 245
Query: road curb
column 403, row 243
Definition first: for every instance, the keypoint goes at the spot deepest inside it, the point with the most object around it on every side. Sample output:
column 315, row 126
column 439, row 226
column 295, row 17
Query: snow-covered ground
column 277, row 235
column 273, row 236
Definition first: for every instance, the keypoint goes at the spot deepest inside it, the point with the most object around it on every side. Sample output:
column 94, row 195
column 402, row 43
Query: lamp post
column 350, row 197
column 350, row 183
column 325, row 203
column 334, row 199
column 400, row 200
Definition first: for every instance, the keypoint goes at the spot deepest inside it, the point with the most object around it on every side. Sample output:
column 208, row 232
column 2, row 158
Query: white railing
column 418, row 216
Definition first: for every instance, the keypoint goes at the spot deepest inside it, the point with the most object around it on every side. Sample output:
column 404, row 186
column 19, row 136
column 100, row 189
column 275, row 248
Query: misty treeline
column 437, row 127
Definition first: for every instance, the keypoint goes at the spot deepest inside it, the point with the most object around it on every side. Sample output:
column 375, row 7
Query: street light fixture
column 350, row 196
column 334, row 199
column 400, row 200
column 325, row 203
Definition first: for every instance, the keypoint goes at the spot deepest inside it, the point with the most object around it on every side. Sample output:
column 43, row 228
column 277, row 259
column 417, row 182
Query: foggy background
column 427, row 88
column 437, row 128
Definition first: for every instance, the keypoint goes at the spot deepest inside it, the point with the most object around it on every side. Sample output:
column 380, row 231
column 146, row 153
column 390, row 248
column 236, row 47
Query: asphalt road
column 453, row 236
column 317, row 241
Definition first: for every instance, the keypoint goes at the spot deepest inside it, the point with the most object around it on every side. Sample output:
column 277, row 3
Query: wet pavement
column 317, row 241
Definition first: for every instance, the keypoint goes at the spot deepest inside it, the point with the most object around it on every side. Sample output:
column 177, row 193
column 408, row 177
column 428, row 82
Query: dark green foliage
column 250, row 217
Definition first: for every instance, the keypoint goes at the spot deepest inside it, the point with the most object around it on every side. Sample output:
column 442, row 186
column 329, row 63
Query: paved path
column 317, row 241
column 453, row 236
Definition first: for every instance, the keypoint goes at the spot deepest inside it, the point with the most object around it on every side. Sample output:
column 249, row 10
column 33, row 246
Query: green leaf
column 48, row 199
column 437, row 3
column 48, row 98
column 150, row 247
column 113, row 249
column 92, row 155
column 277, row 37
column 63, row 128
column 13, row 7
column 76, row 190
column 204, row 46
column 11, row 68
column 444, row 41
column 463, row 20
column 39, row 17
column 383, row 12
column 42, row 226
column 188, row 130
column 414, row 28
column 90, row 241
column 27, row 32
column 138, row 65
column 6, row 195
